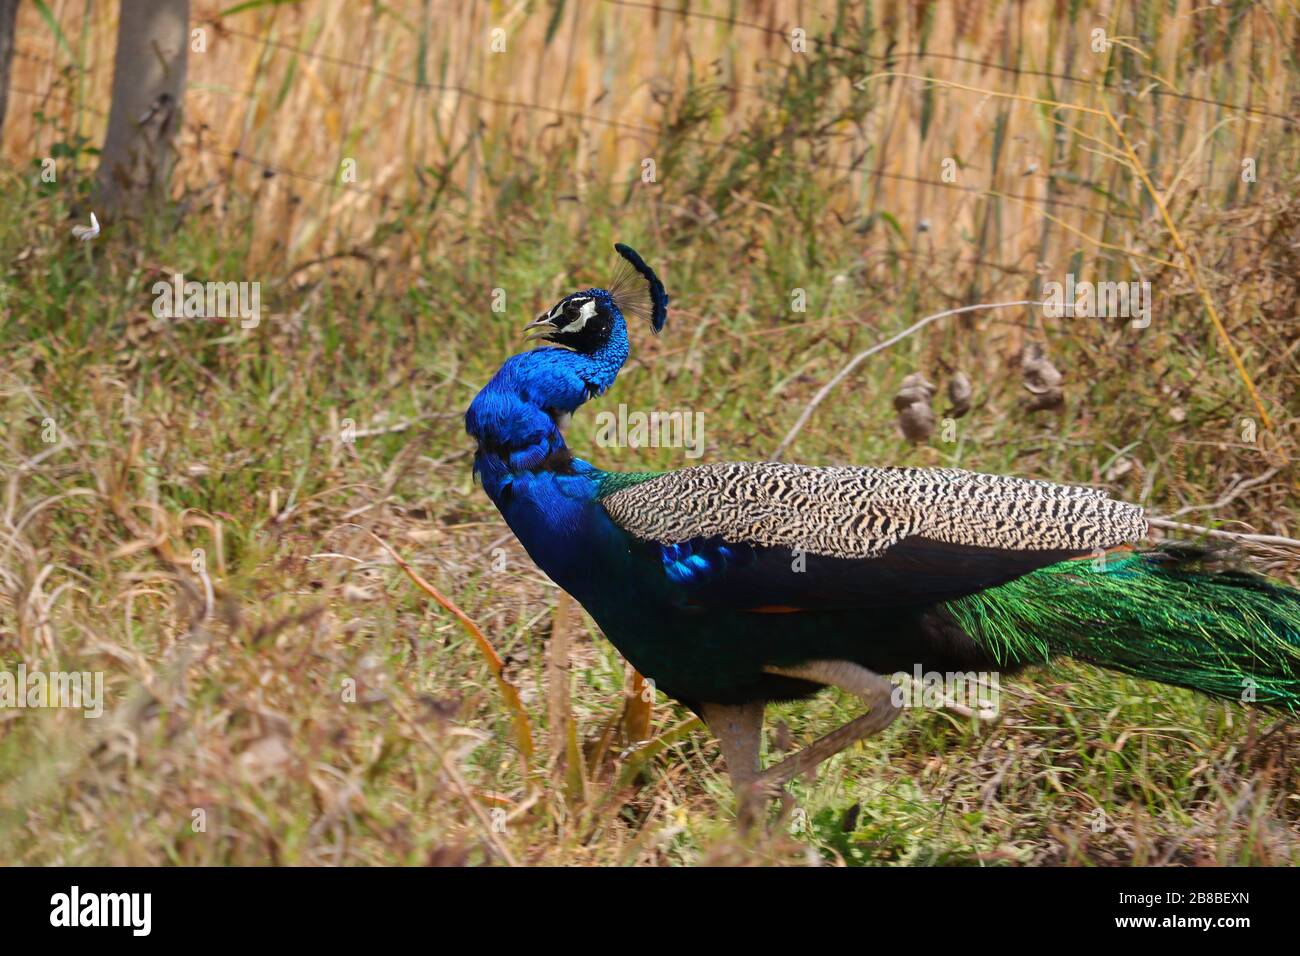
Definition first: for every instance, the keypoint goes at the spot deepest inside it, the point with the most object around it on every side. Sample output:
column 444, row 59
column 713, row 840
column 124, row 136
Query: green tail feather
column 1167, row 615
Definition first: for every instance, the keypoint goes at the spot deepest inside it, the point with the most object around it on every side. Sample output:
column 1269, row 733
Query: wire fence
column 888, row 62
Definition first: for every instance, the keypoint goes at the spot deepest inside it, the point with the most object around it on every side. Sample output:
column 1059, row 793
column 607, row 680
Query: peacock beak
column 537, row 328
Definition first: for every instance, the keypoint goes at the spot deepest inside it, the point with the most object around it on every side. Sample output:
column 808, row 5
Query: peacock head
column 589, row 321
column 516, row 417
column 582, row 321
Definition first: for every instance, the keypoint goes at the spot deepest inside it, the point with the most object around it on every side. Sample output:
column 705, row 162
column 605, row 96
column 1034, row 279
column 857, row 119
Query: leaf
column 53, row 24
column 653, row 748
column 889, row 220
column 640, row 704
column 552, row 25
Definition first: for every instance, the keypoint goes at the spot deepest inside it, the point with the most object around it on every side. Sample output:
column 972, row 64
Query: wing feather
column 756, row 535
column 863, row 512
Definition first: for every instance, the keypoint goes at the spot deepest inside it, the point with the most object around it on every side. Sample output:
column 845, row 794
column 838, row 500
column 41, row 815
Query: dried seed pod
column 916, row 422
column 915, row 416
column 959, row 393
column 914, row 388
column 1041, row 379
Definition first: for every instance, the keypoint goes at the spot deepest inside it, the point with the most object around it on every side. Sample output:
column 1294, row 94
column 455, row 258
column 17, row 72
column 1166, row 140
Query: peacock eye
column 577, row 313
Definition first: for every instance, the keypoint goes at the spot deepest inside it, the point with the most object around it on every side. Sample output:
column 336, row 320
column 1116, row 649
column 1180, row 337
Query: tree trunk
column 8, row 16
column 148, row 91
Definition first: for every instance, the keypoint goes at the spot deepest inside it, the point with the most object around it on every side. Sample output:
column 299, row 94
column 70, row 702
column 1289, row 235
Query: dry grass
column 293, row 685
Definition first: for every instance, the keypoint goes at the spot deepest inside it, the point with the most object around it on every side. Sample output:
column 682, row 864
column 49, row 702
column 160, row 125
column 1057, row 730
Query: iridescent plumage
column 1172, row 614
column 734, row 584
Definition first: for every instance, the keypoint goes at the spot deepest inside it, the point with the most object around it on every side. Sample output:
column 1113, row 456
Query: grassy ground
column 176, row 436
column 190, row 507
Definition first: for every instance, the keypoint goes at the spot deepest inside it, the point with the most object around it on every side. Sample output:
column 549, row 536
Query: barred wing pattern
column 863, row 512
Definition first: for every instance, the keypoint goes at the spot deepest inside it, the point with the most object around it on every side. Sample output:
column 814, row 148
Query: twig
column 947, row 703
column 1272, row 539
column 863, row 356
column 1037, row 100
column 388, row 430
column 1232, row 494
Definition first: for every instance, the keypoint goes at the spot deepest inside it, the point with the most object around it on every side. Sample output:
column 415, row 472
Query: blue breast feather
column 561, row 524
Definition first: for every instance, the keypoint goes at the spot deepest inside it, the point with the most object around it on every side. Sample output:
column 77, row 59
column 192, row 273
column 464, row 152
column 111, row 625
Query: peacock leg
column 738, row 728
column 847, row 676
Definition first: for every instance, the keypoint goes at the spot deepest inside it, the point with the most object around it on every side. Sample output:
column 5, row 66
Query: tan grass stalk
column 557, row 680
column 510, row 693
column 1192, row 270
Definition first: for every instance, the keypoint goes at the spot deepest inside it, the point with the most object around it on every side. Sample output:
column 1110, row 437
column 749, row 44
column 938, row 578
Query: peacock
column 733, row 584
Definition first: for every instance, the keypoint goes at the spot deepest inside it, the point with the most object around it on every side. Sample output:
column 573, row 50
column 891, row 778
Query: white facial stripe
column 586, row 312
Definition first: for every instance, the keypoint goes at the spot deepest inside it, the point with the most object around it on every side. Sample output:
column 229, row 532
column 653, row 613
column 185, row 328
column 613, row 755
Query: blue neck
column 513, row 418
